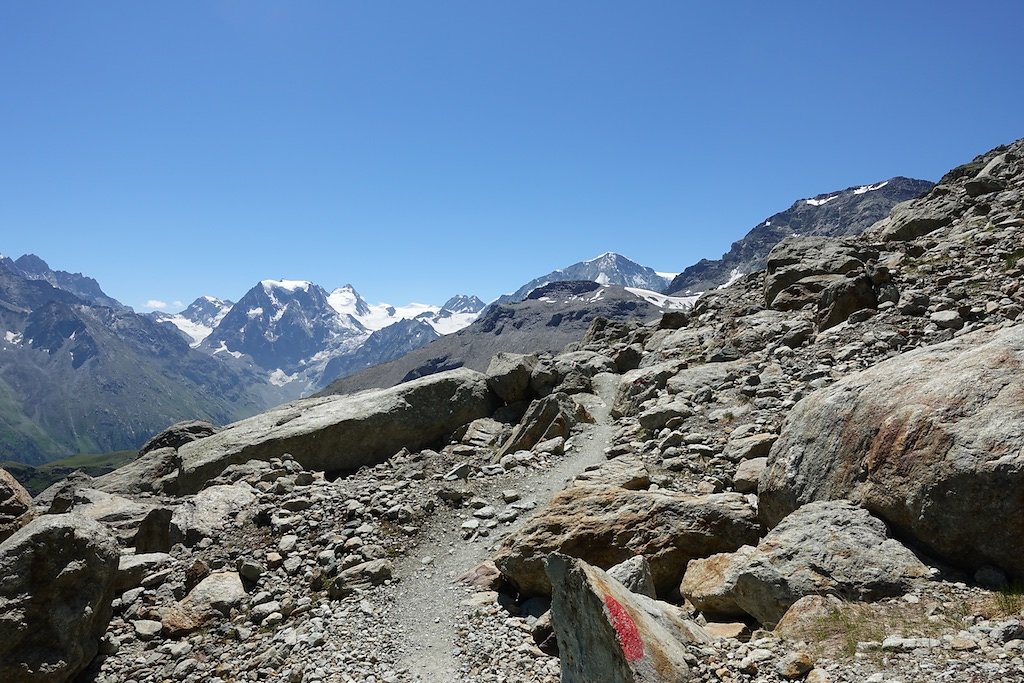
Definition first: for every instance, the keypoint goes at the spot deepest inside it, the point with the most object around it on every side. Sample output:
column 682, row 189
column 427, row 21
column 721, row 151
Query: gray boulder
column 824, row 548
column 56, row 586
column 635, row 575
column 120, row 514
column 15, row 505
column 508, row 376
column 605, row 526
column 148, row 473
column 931, row 441
column 605, row 633
column 132, row 569
column 334, row 433
column 911, row 219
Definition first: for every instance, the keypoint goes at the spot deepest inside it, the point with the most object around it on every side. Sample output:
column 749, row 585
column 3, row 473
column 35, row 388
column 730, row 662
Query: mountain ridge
column 840, row 213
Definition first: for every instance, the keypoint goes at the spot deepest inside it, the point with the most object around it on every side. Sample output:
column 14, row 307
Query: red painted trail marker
column 626, row 629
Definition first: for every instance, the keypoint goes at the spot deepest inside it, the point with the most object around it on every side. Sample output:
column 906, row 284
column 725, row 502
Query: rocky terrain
column 815, row 473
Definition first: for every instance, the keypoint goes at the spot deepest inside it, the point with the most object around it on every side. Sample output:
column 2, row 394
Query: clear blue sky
column 419, row 149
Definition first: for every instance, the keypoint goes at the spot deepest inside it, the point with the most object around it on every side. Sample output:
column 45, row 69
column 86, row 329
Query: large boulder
column 605, row 633
column 931, row 441
column 824, row 548
column 508, row 375
column 333, row 433
column 606, row 525
column 121, row 515
column 15, row 505
column 56, row 585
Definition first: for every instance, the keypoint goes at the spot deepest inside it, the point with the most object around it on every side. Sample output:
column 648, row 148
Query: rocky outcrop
column 148, row 473
column 56, row 586
column 837, row 278
column 931, row 441
column 334, row 433
column 15, row 505
column 604, row 634
column 966, row 191
column 605, row 526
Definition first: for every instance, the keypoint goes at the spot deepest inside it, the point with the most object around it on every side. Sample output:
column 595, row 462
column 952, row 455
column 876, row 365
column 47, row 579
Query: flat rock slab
column 335, row 433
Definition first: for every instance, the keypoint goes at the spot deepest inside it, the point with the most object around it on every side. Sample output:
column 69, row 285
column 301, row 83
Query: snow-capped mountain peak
column 608, row 268
column 462, row 303
column 346, row 300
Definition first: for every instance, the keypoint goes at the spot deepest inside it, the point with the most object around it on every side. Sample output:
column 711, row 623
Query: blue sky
column 421, row 149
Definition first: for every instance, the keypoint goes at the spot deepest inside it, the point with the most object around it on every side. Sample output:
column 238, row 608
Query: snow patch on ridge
column 819, row 202
column 871, row 188
column 663, row 300
column 279, row 377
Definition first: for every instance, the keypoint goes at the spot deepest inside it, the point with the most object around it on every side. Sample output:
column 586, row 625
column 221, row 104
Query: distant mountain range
column 81, row 372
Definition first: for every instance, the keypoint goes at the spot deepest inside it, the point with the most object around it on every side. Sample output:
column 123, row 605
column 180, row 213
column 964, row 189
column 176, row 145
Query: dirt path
column 428, row 602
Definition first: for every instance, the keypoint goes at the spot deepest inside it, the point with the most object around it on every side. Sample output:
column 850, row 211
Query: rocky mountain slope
column 77, row 376
column 835, row 214
column 549, row 318
column 815, row 474
column 607, row 269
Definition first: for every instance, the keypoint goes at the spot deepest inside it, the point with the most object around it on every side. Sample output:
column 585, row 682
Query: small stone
column 147, row 629
column 947, row 320
column 795, row 665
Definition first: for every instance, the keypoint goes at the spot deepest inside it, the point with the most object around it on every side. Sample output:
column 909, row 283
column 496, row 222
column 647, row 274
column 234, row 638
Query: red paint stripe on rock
column 626, row 630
